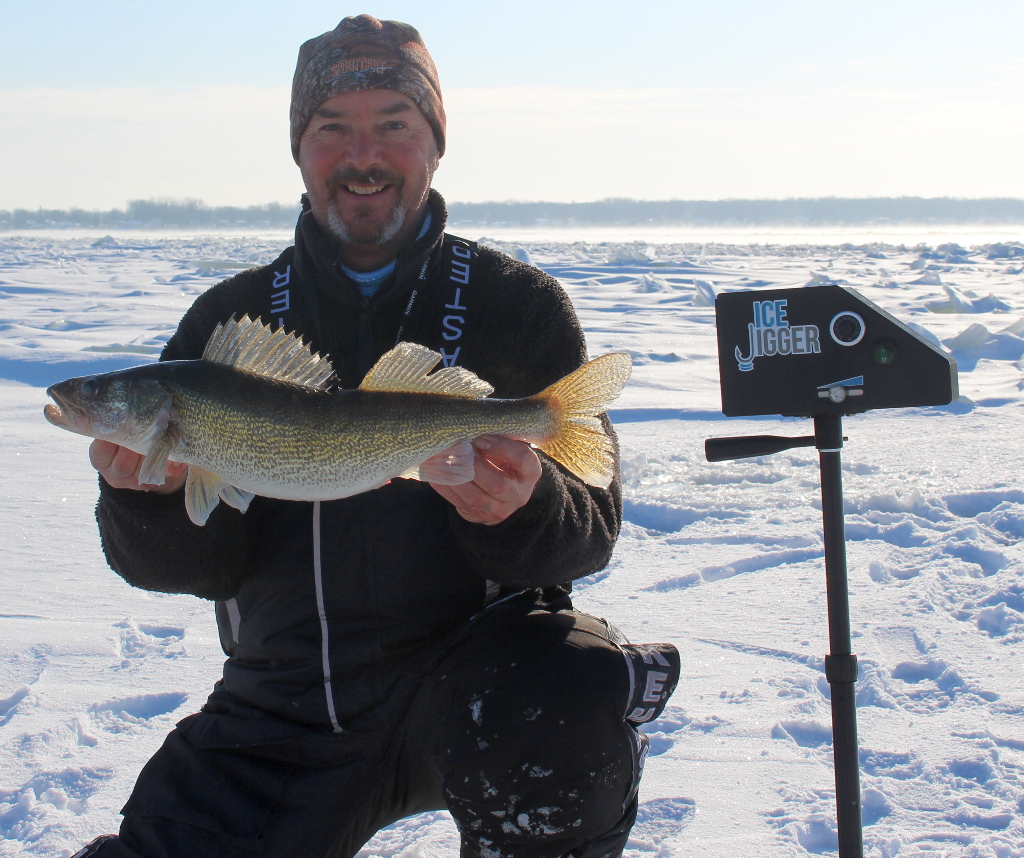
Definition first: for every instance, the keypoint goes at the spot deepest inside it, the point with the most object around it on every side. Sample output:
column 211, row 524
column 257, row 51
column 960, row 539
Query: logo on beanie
column 359, row 64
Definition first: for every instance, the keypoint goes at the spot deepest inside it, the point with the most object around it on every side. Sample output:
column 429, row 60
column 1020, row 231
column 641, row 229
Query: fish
column 260, row 414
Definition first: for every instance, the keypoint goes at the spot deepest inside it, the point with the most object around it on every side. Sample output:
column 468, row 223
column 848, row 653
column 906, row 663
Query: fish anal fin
column 236, row 497
column 451, row 467
column 202, row 493
column 406, row 369
column 249, row 346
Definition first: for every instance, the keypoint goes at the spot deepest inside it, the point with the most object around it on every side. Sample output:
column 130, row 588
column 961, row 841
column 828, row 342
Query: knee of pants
column 532, row 742
column 529, row 800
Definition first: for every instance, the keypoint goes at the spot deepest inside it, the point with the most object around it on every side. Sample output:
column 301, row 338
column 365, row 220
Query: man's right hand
column 120, row 468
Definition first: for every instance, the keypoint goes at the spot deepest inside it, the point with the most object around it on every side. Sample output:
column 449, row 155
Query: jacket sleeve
column 148, row 538
column 568, row 528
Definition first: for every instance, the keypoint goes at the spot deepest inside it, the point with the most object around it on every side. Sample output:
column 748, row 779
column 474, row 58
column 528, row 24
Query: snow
column 723, row 559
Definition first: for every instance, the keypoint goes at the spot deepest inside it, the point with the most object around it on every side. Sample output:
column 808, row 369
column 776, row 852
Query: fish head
column 114, row 406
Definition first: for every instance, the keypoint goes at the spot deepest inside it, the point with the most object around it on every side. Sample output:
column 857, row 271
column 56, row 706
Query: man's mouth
column 366, row 190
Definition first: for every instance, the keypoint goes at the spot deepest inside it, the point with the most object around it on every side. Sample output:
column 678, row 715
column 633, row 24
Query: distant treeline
column 822, row 211
column 174, row 214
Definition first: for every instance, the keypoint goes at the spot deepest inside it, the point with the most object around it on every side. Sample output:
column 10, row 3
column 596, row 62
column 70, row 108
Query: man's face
column 367, row 159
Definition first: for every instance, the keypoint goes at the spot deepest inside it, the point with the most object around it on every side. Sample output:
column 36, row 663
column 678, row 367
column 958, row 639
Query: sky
column 109, row 101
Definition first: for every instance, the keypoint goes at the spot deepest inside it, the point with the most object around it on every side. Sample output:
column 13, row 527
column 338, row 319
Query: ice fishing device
column 824, row 352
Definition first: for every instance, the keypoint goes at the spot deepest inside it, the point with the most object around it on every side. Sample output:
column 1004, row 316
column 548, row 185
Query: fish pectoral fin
column 451, row 467
column 236, row 497
column 154, row 467
column 202, row 493
column 406, row 368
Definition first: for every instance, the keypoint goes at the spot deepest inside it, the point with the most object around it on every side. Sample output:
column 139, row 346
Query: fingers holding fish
column 120, row 468
column 506, row 473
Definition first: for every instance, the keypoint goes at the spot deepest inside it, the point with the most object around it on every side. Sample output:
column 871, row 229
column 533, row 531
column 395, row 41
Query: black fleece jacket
column 320, row 605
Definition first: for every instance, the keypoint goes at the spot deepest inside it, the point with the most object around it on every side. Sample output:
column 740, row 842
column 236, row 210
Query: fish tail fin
column 579, row 441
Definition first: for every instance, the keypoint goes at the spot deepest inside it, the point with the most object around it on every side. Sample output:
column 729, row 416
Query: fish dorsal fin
column 406, row 368
column 248, row 346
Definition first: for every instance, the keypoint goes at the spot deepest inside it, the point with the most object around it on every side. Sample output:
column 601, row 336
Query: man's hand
column 120, row 467
column 506, row 473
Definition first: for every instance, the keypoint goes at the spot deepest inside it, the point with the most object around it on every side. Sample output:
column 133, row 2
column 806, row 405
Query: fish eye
column 90, row 387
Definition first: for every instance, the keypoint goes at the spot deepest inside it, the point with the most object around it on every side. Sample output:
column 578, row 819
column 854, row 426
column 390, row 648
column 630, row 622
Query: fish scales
column 258, row 433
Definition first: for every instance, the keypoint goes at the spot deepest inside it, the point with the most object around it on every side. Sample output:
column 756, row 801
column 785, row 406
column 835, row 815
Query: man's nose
column 364, row 151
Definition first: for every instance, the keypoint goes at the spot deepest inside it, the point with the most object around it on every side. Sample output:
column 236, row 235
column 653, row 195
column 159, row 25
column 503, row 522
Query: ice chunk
column 706, row 293
column 964, row 302
column 929, row 278
column 651, row 283
column 970, row 337
column 628, row 254
column 523, row 255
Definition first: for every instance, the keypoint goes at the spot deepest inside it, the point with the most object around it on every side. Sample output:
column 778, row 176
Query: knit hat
column 364, row 53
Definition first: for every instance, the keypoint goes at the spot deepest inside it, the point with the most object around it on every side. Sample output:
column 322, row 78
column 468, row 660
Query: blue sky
column 106, row 101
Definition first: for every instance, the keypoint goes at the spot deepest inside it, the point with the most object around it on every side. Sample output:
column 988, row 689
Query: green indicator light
column 883, row 352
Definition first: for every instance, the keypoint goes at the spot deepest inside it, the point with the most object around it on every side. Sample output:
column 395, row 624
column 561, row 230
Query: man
column 413, row 647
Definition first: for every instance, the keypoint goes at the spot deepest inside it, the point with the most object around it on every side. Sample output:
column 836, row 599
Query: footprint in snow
column 125, row 714
column 21, row 671
column 999, row 614
column 661, row 732
column 138, row 641
column 806, row 733
column 66, row 790
column 658, row 822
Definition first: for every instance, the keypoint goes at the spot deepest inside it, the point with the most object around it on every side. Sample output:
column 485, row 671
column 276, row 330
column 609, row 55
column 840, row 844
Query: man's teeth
column 373, row 189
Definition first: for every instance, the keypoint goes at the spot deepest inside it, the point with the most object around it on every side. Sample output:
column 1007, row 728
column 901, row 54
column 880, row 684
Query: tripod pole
column 840, row 663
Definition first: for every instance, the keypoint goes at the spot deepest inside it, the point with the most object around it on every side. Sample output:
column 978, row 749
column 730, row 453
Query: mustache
column 373, row 176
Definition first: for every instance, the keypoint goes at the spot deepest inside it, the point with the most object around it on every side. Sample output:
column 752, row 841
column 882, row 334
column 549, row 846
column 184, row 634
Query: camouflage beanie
column 364, row 53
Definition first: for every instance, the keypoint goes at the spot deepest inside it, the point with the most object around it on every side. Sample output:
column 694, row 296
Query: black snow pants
column 524, row 728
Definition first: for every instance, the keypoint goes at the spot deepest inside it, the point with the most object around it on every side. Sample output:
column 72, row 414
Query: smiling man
column 414, row 647
column 367, row 159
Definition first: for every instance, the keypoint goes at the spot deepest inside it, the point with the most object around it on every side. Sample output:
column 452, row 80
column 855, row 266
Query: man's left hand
column 506, row 473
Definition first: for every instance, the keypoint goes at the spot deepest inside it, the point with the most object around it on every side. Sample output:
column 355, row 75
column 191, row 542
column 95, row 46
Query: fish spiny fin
column 405, row 369
column 580, row 442
column 251, row 347
column 202, row 493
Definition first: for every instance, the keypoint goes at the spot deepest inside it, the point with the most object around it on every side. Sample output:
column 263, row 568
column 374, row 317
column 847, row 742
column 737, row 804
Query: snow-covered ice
column 724, row 559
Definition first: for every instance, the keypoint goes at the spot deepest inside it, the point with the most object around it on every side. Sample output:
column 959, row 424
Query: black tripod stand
column 840, row 663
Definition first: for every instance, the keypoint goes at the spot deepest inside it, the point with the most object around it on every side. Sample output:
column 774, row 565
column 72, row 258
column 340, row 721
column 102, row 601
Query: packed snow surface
column 725, row 560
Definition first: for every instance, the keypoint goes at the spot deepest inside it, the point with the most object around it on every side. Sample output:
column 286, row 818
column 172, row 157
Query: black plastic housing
column 823, row 350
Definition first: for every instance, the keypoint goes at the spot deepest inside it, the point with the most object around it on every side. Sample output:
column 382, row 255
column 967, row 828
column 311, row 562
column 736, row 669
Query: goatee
column 340, row 230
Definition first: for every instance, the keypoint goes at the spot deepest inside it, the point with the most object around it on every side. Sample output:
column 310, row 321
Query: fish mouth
column 53, row 413
column 61, row 412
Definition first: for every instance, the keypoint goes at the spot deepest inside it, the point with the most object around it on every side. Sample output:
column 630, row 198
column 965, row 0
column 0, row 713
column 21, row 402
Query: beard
column 360, row 229
column 343, row 233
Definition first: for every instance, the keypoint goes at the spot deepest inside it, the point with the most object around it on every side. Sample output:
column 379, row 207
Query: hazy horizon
column 1005, row 215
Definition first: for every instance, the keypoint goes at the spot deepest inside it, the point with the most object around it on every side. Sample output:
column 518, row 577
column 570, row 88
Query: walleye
column 255, row 416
